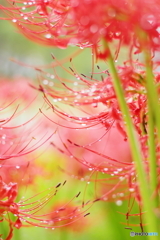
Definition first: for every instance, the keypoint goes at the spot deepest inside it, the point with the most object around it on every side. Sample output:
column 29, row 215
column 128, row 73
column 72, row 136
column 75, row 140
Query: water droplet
column 121, row 178
column 119, row 169
column 121, row 194
column 119, row 202
column 48, row 35
column 131, row 189
column 105, row 169
column 45, row 82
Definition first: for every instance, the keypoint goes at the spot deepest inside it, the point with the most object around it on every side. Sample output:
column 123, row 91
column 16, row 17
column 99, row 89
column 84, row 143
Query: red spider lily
column 65, row 22
column 96, row 100
column 26, row 210
column 97, row 114
column 42, row 19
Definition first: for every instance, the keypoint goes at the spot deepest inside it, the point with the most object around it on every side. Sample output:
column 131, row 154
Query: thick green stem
column 135, row 149
column 152, row 158
column 152, row 92
column 153, row 123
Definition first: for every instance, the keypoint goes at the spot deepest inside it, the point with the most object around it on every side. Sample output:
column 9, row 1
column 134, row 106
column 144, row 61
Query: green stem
column 154, row 120
column 3, row 229
column 152, row 92
column 135, row 149
column 152, row 154
column 17, row 235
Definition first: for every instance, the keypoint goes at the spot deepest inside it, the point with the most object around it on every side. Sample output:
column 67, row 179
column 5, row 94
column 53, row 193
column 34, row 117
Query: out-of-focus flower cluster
column 24, row 136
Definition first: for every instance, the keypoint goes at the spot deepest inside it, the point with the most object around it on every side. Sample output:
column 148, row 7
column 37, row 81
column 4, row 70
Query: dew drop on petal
column 48, row 35
column 131, row 189
column 121, row 178
column 14, row 20
column 105, row 169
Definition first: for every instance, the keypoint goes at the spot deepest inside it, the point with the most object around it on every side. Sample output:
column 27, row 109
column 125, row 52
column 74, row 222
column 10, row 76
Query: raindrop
column 131, row 189
column 48, row 35
column 119, row 202
column 121, row 194
column 14, row 20
column 52, row 77
column 119, row 169
column 105, row 169
column 45, row 81
column 121, row 178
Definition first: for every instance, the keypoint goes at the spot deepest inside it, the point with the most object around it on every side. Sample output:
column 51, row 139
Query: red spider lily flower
column 96, row 99
column 45, row 20
column 60, row 23
column 97, row 114
column 26, row 210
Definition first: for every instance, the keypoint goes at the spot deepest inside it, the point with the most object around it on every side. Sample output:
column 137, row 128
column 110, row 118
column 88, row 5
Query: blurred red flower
column 86, row 22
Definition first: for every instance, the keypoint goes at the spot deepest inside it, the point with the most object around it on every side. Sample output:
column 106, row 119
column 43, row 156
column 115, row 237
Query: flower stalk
column 150, row 217
column 153, row 123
